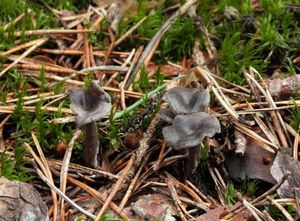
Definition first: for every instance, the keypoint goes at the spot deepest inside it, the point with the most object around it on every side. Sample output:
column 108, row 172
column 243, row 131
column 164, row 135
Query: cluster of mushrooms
column 189, row 123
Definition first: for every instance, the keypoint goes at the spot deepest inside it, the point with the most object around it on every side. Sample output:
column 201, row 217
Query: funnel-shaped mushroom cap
column 189, row 130
column 89, row 104
column 187, row 100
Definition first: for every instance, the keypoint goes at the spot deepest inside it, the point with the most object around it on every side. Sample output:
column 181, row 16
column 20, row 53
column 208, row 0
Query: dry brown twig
column 64, row 170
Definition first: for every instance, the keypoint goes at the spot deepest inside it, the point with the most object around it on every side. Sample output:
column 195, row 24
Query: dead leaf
column 212, row 215
column 154, row 206
column 255, row 164
column 283, row 163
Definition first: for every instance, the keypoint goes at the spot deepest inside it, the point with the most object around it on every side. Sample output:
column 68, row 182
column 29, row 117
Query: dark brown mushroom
column 90, row 105
column 187, row 100
column 189, row 130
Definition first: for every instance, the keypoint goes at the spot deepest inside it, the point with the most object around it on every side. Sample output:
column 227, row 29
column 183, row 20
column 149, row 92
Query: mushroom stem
column 91, row 150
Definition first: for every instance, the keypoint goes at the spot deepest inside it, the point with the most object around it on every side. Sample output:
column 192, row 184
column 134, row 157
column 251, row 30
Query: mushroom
column 189, row 130
column 90, row 105
column 187, row 100
column 189, row 123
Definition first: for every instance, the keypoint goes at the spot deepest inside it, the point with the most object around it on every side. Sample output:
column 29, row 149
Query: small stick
column 46, row 68
column 116, row 187
column 111, row 46
column 220, row 189
column 94, row 193
column 53, row 187
column 26, row 53
column 105, row 68
column 256, row 137
column 48, row 32
column 16, row 20
column 64, row 170
column 22, row 46
column 86, row 47
column 174, row 196
column 281, row 208
column 129, row 32
column 160, row 157
column 296, row 146
column 132, row 65
column 255, row 212
column 12, row 108
column 78, row 52
column 45, row 171
column 150, row 48
column 131, row 186
column 261, row 197
column 272, row 190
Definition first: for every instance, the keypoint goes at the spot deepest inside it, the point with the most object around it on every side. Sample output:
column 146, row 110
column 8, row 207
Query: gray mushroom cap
column 189, row 130
column 187, row 100
column 89, row 104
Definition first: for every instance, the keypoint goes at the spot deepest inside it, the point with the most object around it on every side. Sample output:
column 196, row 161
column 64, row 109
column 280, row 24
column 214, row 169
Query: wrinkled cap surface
column 187, row 100
column 189, row 130
column 89, row 104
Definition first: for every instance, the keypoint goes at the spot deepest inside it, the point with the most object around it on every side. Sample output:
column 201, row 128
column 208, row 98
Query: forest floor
column 151, row 110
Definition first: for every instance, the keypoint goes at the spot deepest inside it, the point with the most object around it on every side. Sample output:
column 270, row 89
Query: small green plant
column 249, row 187
column 230, row 196
column 295, row 118
column 13, row 167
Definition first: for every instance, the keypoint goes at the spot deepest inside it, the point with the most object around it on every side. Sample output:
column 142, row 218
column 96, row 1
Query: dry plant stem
column 94, row 193
column 160, row 157
column 45, row 169
column 265, row 129
column 150, row 48
column 245, row 105
column 220, row 190
column 142, row 150
column 111, row 46
column 296, row 146
column 2, row 123
column 270, row 191
column 48, row 32
column 83, row 170
column 132, row 65
column 80, row 83
column 255, row 136
column 10, row 109
column 26, row 53
column 54, row 188
column 16, row 20
column 46, row 68
column 129, row 32
column 273, row 115
column 22, row 46
column 78, row 52
column 261, row 197
column 175, row 199
column 132, row 185
column 281, row 208
column 206, row 74
column 202, row 195
column 271, row 100
column 105, row 68
column 255, row 212
column 268, row 216
column 204, row 205
column 64, row 171
column 87, row 59
column 116, row 188
column 93, row 62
